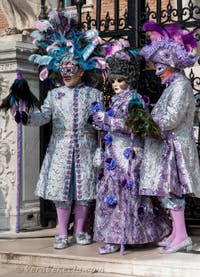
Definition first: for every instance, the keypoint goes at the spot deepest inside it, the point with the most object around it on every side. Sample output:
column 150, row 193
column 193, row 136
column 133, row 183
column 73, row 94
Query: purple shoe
column 109, row 248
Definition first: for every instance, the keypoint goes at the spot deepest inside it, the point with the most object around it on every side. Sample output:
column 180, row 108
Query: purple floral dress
column 122, row 216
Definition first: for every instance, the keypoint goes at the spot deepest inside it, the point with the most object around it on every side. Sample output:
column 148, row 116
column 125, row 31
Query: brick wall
column 108, row 5
column 152, row 3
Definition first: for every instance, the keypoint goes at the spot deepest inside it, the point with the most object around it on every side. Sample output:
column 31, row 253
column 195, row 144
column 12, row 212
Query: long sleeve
column 116, row 125
column 39, row 118
column 111, row 124
column 113, row 120
column 176, row 107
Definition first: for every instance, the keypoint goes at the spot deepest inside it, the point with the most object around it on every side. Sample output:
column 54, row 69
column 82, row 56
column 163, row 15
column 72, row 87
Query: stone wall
column 21, row 13
column 3, row 22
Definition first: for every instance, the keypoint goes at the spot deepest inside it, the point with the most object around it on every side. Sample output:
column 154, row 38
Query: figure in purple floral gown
column 122, row 217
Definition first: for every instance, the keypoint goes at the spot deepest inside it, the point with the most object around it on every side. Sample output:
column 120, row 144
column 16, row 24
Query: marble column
column 14, row 53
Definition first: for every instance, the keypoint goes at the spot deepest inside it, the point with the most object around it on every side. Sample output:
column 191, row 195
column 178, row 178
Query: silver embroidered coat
column 69, row 110
column 171, row 165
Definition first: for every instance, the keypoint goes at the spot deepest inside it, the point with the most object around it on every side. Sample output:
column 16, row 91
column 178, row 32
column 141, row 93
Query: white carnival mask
column 119, row 85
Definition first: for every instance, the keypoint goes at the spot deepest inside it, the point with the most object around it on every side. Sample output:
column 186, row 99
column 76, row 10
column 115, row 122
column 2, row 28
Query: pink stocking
column 80, row 217
column 173, row 233
column 63, row 220
column 179, row 226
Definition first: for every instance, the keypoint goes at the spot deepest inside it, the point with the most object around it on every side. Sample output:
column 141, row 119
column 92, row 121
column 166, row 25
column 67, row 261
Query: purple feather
column 189, row 41
column 154, row 27
column 173, row 29
column 181, row 36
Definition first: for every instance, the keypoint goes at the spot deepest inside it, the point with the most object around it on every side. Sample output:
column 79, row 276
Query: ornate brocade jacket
column 72, row 139
column 171, row 165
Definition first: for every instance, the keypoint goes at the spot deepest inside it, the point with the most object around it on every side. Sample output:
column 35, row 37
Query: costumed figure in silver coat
column 122, row 217
column 170, row 166
column 67, row 173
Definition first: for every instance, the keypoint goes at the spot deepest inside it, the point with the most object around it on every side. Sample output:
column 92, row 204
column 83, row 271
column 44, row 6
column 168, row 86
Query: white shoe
column 60, row 242
column 164, row 242
column 82, row 238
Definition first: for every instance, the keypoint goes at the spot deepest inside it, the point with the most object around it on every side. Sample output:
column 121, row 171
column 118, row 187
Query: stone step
column 8, row 270
column 137, row 261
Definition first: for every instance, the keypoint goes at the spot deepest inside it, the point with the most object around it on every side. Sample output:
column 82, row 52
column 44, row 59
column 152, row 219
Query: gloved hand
column 21, row 117
column 24, row 117
column 17, row 117
column 90, row 119
column 98, row 116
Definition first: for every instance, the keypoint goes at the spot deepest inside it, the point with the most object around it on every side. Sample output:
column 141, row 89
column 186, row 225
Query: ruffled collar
column 122, row 96
column 173, row 77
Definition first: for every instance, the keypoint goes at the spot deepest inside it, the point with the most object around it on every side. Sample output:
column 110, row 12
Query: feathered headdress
column 126, row 64
column 123, row 61
column 169, row 45
column 59, row 38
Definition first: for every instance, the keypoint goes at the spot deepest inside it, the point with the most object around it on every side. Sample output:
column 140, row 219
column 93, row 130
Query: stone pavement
column 31, row 253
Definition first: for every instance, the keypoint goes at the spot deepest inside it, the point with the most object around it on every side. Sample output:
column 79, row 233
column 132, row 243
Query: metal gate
column 126, row 22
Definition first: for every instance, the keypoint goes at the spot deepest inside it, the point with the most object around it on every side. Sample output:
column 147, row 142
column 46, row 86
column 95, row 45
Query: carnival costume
column 122, row 217
column 170, row 166
column 67, row 171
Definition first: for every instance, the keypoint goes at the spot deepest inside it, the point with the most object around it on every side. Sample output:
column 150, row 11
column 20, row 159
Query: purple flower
column 127, row 152
column 131, row 183
column 108, row 139
column 127, row 185
column 110, row 163
column 60, row 95
column 96, row 107
column 110, row 201
column 124, row 183
column 110, row 111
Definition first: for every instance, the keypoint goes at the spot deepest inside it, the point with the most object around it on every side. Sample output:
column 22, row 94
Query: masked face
column 164, row 72
column 71, row 73
column 160, row 68
column 119, row 85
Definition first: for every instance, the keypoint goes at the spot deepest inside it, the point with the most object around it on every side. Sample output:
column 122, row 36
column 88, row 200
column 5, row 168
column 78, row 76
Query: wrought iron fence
column 135, row 14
